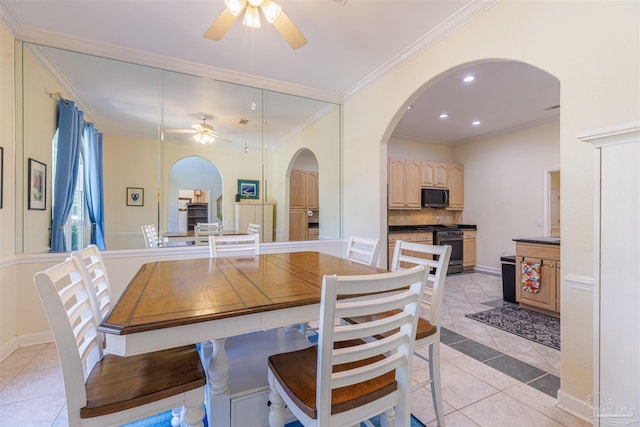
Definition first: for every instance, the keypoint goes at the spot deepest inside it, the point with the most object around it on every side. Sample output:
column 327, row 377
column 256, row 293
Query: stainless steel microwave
column 435, row 198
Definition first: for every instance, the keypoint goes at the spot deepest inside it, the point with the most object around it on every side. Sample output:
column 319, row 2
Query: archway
column 303, row 196
column 200, row 178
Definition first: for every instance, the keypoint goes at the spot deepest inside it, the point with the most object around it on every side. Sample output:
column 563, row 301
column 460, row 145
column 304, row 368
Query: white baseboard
column 8, row 348
column 574, row 406
column 488, row 270
column 33, row 339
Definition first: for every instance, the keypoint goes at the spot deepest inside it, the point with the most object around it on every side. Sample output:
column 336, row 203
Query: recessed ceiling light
column 476, row 123
column 409, row 107
column 444, row 115
column 469, row 78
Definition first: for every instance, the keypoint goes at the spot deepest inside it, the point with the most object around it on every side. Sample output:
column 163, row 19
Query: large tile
column 455, row 419
column 29, row 385
column 484, row 372
column 545, row 404
column 35, row 412
column 548, row 384
column 515, row 368
column 17, row 360
column 460, row 388
column 47, row 358
column 476, row 350
column 503, row 410
column 422, row 406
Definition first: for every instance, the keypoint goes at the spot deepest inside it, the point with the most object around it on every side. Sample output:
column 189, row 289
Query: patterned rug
column 531, row 325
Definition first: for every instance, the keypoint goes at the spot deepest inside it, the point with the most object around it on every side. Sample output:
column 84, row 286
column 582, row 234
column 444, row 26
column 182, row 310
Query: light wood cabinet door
column 412, row 184
column 469, row 249
column 298, row 189
column 427, row 174
column 455, row 183
column 440, row 178
column 312, row 190
column 396, row 182
column 298, row 224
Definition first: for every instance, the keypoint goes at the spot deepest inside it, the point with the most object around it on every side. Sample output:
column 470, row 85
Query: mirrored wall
column 174, row 141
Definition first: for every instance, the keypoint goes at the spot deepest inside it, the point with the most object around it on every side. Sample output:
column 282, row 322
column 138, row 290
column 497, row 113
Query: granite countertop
column 540, row 240
column 427, row 227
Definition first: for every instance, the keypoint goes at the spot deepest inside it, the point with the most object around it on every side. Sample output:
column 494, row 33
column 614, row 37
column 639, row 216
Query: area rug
column 528, row 324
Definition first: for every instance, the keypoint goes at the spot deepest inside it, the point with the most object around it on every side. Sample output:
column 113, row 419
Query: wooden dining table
column 168, row 304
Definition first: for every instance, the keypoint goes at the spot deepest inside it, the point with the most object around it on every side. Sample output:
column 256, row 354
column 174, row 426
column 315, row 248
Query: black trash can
column 508, row 278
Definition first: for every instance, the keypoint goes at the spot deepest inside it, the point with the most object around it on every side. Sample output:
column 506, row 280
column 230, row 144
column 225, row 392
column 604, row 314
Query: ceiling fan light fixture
column 235, row 6
column 252, row 17
column 271, row 11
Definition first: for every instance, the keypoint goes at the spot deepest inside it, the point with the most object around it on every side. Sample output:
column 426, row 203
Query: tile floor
column 489, row 377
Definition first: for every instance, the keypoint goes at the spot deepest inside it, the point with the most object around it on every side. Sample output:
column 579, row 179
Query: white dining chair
column 348, row 378
column 253, row 228
column 230, row 245
column 363, row 250
column 436, row 260
column 104, row 389
column 203, row 230
column 150, row 236
column 95, row 273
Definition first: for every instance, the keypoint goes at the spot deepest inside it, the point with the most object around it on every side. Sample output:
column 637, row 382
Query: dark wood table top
column 166, row 294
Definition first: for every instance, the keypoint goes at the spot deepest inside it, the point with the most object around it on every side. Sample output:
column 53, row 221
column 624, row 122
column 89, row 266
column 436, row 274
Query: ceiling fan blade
column 180, row 131
column 221, row 25
column 221, row 138
column 289, row 31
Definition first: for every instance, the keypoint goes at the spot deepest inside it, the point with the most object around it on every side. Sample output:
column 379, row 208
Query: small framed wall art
column 248, row 189
column 37, row 185
column 135, row 196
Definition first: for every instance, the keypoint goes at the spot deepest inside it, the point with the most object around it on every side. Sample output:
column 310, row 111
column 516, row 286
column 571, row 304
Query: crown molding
column 56, row 40
column 451, row 24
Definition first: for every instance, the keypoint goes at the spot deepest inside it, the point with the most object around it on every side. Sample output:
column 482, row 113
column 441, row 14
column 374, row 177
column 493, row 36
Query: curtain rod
column 57, row 96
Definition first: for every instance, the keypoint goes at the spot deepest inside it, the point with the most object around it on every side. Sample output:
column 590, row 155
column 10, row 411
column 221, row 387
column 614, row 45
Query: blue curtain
column 93, row 182
column 70, row 129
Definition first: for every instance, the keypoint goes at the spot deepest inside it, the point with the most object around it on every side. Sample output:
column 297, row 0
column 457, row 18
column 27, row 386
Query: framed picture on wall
column 37, row 185
column 1, row 175
column 248, row 189
column 135, row 196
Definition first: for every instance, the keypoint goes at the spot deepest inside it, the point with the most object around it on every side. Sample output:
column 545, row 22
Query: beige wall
column 592, row 48
column 7, row 213
column 503, row 187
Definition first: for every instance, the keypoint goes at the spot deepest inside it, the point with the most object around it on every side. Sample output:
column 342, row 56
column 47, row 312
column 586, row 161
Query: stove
column 454, row 237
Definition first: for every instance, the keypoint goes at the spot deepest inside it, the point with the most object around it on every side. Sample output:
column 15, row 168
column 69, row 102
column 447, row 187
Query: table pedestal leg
column 218, row 398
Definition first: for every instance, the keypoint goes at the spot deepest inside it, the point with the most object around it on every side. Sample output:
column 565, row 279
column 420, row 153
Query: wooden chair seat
column 424, row 328
column 297, row 371
column 119, row 383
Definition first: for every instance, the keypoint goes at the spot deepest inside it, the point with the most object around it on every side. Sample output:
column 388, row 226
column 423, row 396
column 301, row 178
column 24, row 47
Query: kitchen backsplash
column 424, row 216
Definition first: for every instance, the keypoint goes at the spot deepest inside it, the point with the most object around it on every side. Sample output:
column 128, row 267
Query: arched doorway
column 304, row 204
column 193, row 180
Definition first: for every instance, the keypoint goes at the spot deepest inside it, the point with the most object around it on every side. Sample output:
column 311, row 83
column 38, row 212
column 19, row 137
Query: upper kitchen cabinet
column 455, row 184
column 434, row 174
column 405, row 179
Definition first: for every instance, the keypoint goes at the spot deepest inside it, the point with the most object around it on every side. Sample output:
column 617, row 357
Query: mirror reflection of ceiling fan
column 272, row 13
column 202, row 132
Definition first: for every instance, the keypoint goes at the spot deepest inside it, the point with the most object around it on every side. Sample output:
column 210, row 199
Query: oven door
column 456, row 243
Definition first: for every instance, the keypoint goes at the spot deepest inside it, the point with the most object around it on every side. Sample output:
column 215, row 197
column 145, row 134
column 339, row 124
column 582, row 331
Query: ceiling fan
column 202, row 132
column 272, row 12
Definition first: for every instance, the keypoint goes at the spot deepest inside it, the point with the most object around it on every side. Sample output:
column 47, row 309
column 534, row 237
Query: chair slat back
column 367, row 295
column 363, row 250
column 95, row 272
column 436, row 259
column 73, row 319
column 150, row 236
column 202, row 231
column 230, row 245
column 253, row 229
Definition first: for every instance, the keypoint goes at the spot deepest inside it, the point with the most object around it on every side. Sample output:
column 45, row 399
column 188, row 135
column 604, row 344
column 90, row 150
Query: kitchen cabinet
column 313, row 233
column 197, row 212
column 434, row 174
column 404, row 180
column 547, row 257
column 303, row 197
column 455, row 184
column 469, row 249
column 418, row 237
column 255, row 213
